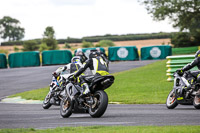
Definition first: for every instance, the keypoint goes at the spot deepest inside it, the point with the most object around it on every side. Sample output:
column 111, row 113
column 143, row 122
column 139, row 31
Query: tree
column 49, row 38
column 184, row 14
column 30, row 45
column 49, row 32
column 9, row 28
column 182, row 39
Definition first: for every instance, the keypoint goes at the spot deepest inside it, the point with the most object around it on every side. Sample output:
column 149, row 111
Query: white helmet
column 76, row 59
column 79, row 52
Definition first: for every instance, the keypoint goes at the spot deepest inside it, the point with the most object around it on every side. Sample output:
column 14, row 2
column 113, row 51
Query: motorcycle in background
column 56, row 90
column 185, row 90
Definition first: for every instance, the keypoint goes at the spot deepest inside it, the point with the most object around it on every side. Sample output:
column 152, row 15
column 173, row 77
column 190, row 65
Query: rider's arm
column 191, row 65
column 82, row 69
column 61, row 69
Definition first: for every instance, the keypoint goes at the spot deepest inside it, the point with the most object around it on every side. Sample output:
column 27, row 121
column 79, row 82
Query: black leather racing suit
column 97, row 65
column 195, row 62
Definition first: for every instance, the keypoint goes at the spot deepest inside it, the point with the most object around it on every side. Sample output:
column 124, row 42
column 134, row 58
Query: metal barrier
column 177, row 62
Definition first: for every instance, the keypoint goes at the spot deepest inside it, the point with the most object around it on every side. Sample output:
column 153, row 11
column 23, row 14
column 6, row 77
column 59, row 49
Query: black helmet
column 197, row 54
column 76, row 59
column 94, row 54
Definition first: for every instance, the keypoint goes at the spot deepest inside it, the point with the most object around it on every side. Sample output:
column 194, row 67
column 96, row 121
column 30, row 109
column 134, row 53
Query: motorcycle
column 56, row 91
column 95, row 103
column 186, row 90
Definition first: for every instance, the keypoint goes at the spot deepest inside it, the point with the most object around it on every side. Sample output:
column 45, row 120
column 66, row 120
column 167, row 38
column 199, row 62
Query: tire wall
column 155, row 52
column 24, row 59
column 123, row 53
column 3, row 61
column 54, row 57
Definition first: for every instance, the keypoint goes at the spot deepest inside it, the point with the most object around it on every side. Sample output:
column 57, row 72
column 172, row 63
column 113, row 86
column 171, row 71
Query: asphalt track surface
column 34, row 116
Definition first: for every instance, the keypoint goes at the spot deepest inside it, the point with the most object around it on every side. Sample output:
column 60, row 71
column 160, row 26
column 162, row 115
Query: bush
column 51, row 43
column 183, row 39
column 87, row 44
column 105, row 43
column 30, row 45
column 16, row 49
column 4, row 51
column 43, row 47
column 67, row 45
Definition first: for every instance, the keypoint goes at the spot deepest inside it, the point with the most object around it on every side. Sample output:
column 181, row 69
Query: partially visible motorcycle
column 185, row 91
column 56, row 90
column 95, row 103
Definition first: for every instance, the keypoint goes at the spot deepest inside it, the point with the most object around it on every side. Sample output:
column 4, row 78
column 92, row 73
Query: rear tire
column 171, row 101
column 100, row 105
column 196, row 102
column 46, row 103
column 66, row 108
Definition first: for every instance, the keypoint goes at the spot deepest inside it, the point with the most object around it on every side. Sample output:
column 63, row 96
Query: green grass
column 38, row 94
column 111, row 129
column 144, row 85
column 184, row 50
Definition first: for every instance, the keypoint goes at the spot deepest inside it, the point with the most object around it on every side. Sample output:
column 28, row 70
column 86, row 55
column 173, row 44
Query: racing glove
column 72, row 78
column 180, row 72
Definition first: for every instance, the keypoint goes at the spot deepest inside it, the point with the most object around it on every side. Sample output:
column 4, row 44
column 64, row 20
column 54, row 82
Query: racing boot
column 86, row 89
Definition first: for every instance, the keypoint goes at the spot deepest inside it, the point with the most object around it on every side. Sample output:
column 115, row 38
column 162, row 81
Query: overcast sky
column 79, row 18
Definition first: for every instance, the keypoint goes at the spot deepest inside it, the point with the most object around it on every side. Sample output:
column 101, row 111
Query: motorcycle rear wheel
column 171, row 101
column 196, row 102
column 46, row 103
column 66, row 107
column 100, row 104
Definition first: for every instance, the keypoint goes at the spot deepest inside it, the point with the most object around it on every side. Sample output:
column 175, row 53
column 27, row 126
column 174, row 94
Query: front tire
column 46, row 103
column 196, row 102
column 66, row 107
column 171, row 101
column 100, row 104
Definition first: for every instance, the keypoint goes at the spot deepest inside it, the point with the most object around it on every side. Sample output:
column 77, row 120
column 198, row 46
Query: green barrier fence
column 123, row 53
column 3, row 61
column 53, row 57
column 24, row 59
column 155, row 52
column 177, row 62
column 87, row 50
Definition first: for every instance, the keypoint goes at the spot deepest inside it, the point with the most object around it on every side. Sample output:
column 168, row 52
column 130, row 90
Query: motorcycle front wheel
column 46, row 103
column 66, row 107
column 100, row 104
column 171, row 102
column 196, row 102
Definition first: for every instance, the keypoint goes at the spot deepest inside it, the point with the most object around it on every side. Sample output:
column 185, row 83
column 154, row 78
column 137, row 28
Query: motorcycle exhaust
column 105, row 81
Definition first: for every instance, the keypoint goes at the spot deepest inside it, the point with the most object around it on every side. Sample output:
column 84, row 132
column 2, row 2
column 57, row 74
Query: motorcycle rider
column 195, row 62
column 96, row 64
column 103, row 55
column 74, row 66
column 81, row 54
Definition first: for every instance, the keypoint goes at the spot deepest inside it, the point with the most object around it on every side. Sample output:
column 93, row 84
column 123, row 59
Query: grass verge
column 144, row 85
column 111, row 129
column 184, row 50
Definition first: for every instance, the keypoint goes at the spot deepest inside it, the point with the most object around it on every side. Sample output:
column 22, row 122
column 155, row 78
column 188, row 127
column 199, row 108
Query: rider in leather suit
column 96, row 64
column 195, row 62
column 74, row 66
